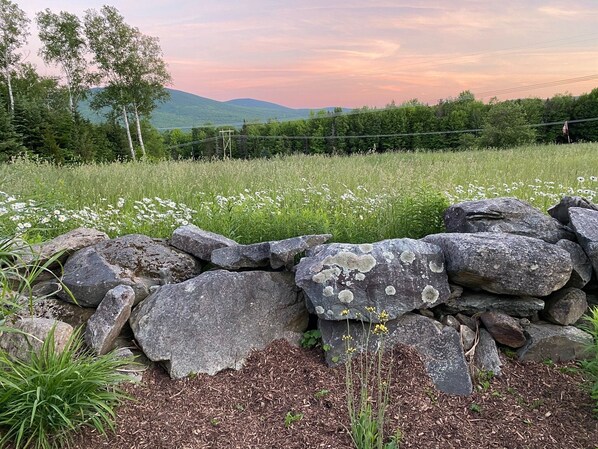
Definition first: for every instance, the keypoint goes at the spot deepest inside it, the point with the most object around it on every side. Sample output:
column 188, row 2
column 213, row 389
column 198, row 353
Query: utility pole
column 227, row 142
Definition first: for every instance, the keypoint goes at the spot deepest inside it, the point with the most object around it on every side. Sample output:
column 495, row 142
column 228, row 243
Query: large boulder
column 198, row 242
column 582, row 267
column 555, row 342
column 476, row 302
column 110, row 317
column 560, row 211
column 504, row 263
column 27, row 335
column 134, row 260
column 438, row 346
column 508, row 215
column 396, row 276
column 504, row 329
column 213, row 321
column 585, row 224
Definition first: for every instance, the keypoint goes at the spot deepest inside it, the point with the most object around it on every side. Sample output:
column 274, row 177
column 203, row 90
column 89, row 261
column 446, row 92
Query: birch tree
column 64, row 45
column 14, row 30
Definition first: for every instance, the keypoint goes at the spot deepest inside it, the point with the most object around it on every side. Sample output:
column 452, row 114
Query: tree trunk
column 11, row 98
column 126, row 119
column 139, row 130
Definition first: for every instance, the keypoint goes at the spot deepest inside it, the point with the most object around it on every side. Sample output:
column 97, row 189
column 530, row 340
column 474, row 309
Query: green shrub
column 311, row 339
column 44, row 400
column 590, row 366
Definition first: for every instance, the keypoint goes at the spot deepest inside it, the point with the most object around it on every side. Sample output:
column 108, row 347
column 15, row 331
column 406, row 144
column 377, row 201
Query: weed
column 536, row 404
column 484, row 378
column 291, row 418
column 590, row 366
column 548, row 362
column 311, row 339
column 476, row 408
column 322, row 393
column 510, row 353
column 215, row 422
column 431, row 393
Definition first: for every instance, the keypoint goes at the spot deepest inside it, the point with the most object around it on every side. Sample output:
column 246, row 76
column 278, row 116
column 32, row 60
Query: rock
column 213, row 321
column 56, row 309
column 283, row 252
column 561, row 211
column 32, row 333
column 112, row 314
column 236, row 257
column 508, row 215
column 504, row 329
column 566, row 306
column 449, row 320
column 486, row 356
column 582, row 267
column 456, row 291
column 66, row 244
column 504, row 263
column 438, row 346
column 554, row 342
column 134, row 260
column 585, row 224
column 467, row 337
column 468, row 321
column 198, row 242
column 427, row 313
column 396, row 276
column 475, row 302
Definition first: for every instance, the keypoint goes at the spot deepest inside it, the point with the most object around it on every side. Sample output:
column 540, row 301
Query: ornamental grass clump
column 367, row 381
column 45, row 399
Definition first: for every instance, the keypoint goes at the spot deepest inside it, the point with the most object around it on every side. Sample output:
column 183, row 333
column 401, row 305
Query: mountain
column 185, row 110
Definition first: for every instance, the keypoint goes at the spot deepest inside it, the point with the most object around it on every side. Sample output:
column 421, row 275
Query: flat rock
column 198, row 242
column 213, row 321
column 486, row 357
column 283, row 252
column 134, row 260
column 582, row 267
column 471, row 303
column 560, row 211
column 58, row 310
column 110, row 317
column 32, row 333
column 504, row 263
column 554, row 342
column 438, row 346
column 396, row 276
column 566, row 306
column 585, row 224
column 504, row 329
column 508, row 215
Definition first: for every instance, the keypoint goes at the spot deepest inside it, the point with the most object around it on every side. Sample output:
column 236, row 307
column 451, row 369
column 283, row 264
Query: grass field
column 358, row 198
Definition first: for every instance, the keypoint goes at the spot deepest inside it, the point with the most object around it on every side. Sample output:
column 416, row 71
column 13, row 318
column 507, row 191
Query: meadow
column 358, row 198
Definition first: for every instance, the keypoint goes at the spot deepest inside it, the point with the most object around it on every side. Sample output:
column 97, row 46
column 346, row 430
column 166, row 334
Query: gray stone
column 134, row 260
column 449, row 320
column 508, row 215
column 560, row 211
column 438, row 346
column 504, row 329
column 582, row 267
column 585, row 224
column 554, row 342
column 198, row 242
column 467, row 337
column 471, row 303
column 468, row 321
column 504, row 263
column 56, row 309
column 396, row 276
column 213, row 321
column 27, row 335
column 236, row 257
column 566, row 306
column 486, row 357
column 283, row 252
column 112, row 314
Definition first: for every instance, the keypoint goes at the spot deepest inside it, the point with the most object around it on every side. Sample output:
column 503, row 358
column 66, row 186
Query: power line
column 537, row 85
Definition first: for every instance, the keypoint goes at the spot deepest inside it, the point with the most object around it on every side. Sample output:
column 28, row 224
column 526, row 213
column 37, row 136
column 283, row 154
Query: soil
column 532, row 405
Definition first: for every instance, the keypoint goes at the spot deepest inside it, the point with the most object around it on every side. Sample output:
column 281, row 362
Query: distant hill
column 186, row 110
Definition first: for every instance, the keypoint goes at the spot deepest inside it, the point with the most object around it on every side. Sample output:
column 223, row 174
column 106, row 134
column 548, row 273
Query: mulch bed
column 531, row 405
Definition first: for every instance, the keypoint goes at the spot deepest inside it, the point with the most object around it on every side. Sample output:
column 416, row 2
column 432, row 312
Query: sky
column 354, row 53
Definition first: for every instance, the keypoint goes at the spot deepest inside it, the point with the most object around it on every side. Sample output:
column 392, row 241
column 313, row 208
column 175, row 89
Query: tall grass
column 356, row 198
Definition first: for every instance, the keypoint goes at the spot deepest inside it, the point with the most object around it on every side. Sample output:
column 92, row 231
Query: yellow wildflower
column 344, row 312
column 380, row 329
column 370, row 309
column 383, row 316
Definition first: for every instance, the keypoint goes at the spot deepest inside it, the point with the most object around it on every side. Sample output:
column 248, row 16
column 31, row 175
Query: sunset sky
column 314, row 53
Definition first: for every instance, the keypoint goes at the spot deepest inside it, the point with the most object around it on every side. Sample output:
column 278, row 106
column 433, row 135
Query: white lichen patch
column 388, row 257
column 429, row 294
column 345, row 296
column 534, row 267
column 366, row 247
column 326, row 275
column 320, row 310
column 351, row 261
column 407, row 257
column 436, row 267
column 328, row 291
column 390, row 290
column 359, row 277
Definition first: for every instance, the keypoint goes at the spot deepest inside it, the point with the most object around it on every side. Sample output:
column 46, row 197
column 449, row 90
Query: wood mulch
column 531, row 405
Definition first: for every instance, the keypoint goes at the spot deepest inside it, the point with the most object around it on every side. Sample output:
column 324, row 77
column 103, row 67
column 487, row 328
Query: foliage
column 291, row 417
column 44, row 400
column 590, row 366
column 505, row 127
column 311, row 339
